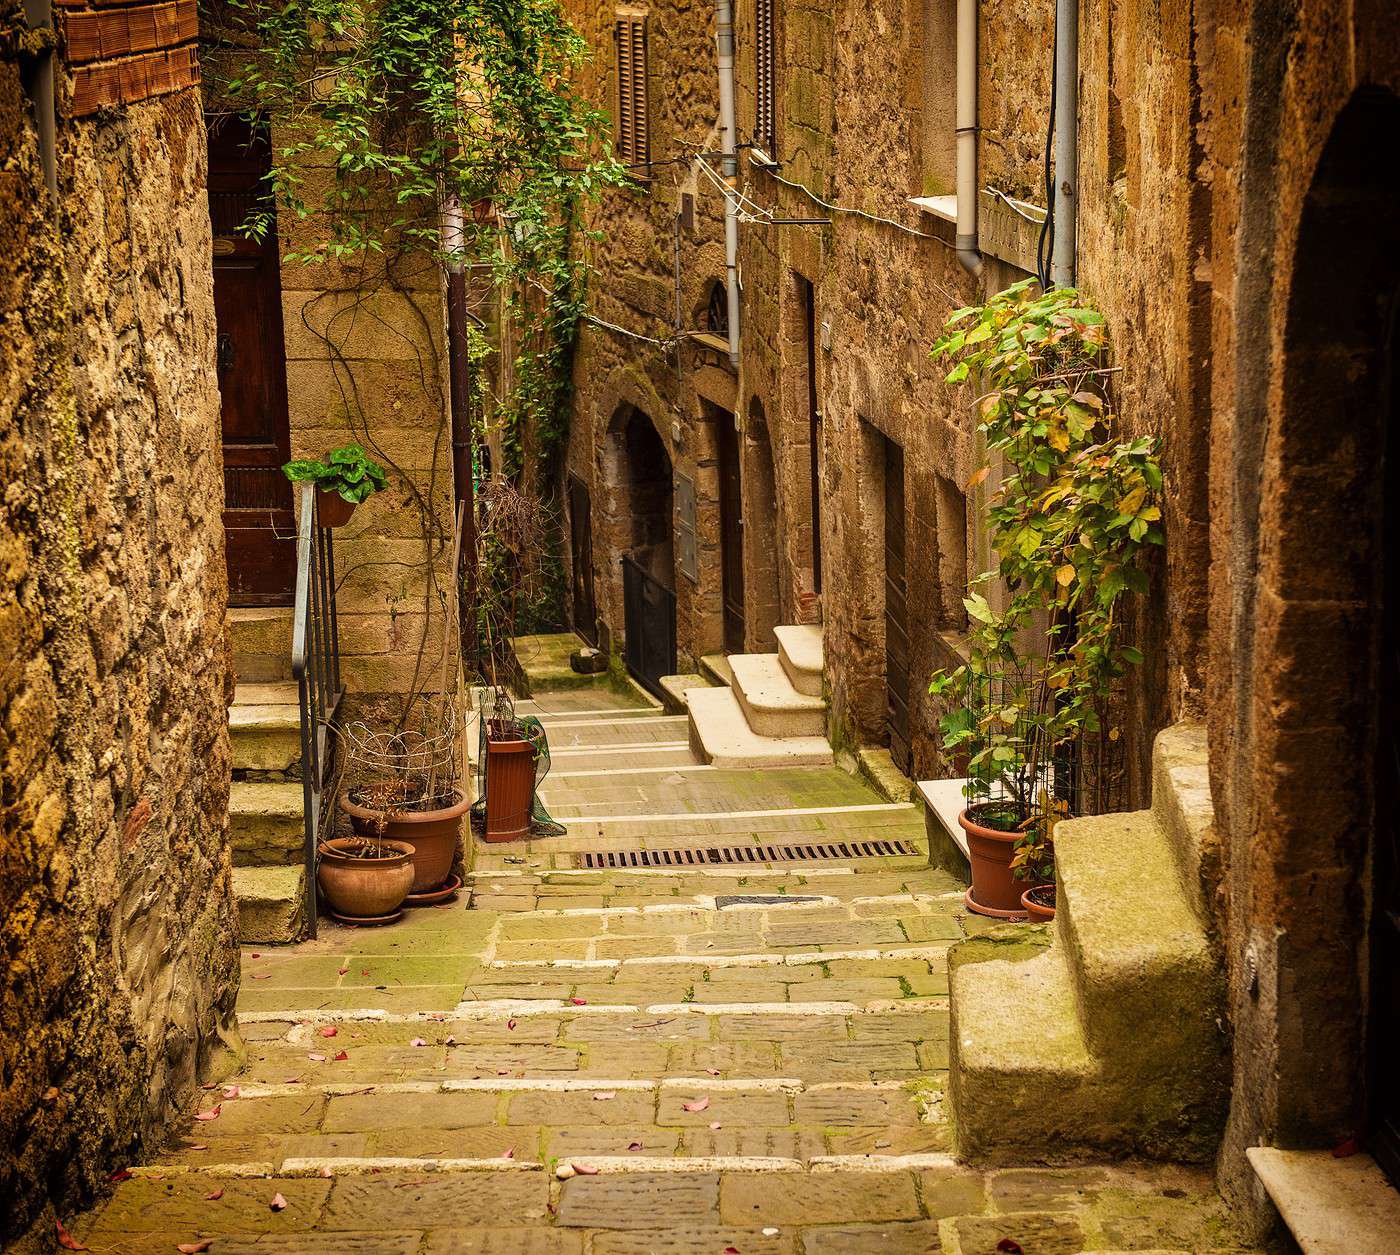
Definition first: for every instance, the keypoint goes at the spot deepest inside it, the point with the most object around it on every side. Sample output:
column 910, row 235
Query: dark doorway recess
column 259, row 531
column 644, row 507
column 807, row 297
column 581, row 559
column 896, row 609
column 731, row 528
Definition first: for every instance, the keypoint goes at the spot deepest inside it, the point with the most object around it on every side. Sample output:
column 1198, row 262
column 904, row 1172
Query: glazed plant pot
column 510, row 789
column 995, row 891
column 1038, row 912
column 430, row 835
column 332, row 509
column 364, row 888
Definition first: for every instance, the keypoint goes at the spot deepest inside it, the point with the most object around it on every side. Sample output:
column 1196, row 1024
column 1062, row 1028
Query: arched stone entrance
column 639, row 485
column 1314, row 894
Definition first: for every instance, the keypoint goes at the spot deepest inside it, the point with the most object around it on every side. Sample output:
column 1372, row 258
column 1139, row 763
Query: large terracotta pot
column 364, row 888
column 430, row 835
column 1038, row 914
column 995, row 891
column 510, row 789
column 332, row 510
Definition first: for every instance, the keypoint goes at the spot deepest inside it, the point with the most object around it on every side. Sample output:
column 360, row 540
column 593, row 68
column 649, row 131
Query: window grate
column 732, row 855
column 765, row 90
column 633, row 129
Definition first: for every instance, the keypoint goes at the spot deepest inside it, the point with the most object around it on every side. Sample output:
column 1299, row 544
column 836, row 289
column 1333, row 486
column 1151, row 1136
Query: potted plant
column 1033, row 864
column 344, row 478
column 365, row 879
column 1072, row 522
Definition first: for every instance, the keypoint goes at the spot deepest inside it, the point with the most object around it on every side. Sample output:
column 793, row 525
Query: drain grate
column 711, row 856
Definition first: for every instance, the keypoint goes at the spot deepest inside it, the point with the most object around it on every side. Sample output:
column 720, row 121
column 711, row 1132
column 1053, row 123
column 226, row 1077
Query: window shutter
column 764, row 87
column 633, row 135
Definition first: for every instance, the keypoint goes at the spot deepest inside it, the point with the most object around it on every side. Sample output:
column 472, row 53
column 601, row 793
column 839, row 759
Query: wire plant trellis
column 502, row 722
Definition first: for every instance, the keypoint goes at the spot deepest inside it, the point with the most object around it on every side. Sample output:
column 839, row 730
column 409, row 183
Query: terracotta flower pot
column 332, row 510
column 1038, row 914
column 430, row 835
column 510, row 789
column 994, row 891
column 364, row 888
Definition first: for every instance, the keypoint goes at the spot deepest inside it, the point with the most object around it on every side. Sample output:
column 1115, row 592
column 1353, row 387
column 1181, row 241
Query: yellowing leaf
column 1131, row 503
column 1064, row 577
column 978, row 477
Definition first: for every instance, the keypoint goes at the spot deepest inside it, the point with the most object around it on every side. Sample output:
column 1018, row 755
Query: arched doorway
column 1322, row 894
column 641, row 491
column 761, row 527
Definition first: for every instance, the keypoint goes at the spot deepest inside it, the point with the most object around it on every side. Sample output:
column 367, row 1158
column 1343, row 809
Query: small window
column 633, row 130
column 938, row 147
column 765, row 89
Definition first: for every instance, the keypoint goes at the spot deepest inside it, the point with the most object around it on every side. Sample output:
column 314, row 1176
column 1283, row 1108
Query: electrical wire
column 1045, row 256
column 1013, row 206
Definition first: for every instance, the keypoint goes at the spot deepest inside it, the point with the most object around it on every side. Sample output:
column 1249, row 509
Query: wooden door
column 814, row 427
column 731, row 526
column 259, row 531
column 896, row 610
column 581, row 556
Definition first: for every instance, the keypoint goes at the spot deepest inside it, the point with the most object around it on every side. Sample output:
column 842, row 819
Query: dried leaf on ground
column 278, row 1203
column 67, row 1240
column 214, row 1195
column 700, row 1104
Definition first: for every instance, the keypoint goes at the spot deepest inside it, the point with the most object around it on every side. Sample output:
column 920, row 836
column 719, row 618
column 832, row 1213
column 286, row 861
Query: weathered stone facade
column 1238, row 231
column 118, row 936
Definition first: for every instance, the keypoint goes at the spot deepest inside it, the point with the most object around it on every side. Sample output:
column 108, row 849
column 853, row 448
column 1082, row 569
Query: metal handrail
column 316, row 669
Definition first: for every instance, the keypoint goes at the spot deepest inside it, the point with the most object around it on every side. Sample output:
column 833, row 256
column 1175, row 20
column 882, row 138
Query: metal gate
column 649, row 619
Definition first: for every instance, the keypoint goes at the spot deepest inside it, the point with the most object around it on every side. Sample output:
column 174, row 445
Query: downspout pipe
column 459, row 387
column 729, row 167
column 1062, row 266
column 966, row 120
column 38, row 15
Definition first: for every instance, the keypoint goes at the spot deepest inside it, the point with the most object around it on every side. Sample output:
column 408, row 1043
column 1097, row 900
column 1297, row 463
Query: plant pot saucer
column 431, row 897
column 978, row 909
column 370, row 921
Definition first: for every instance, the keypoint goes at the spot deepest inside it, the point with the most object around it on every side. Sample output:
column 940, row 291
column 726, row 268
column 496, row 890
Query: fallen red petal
column 509, row 1153
column 698, row 1105
column 211, row 1114
column 417, row 1041
column 731, row 1250
column 1346, row 1149
column 712, row 1071
column 194, row 1248
column 1009, row 1246
column 604, row 1097
column 585, row 1169
column 278, row 1202
column 231, row 1091
column 339, row 1057
column 634, row 1146
column 329, row 1030
column 67, row 1241
column 341, row 971
column 579, row 1002
column 317, row 1058
column 122, row 1174
column 197, row 1146
column 214, row 1195
column 510, row 1024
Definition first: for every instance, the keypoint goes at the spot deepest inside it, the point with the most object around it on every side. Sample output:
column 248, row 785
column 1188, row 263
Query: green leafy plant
column 1072, row 522
column 348, row 472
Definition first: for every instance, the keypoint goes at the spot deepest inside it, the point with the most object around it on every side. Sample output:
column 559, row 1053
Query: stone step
column 1182, row 805
column 264, row 725
column 675, row 686
column 265, row 823
column 261, row 640
column 716, row 669
column 720, row 734
column 772, row 706
column 271, row 906
column 801, row 654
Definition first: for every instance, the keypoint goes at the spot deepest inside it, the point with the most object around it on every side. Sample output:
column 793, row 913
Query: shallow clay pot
column 364, row 888
column 332, row 510
column 994, row 891
column 1038, row 914
column 510, row 789
column 431, row 836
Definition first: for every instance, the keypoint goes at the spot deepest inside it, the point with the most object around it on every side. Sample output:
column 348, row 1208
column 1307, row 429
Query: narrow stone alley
column 740, row 1056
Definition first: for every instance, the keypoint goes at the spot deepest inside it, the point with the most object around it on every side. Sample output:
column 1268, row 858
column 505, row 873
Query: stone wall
column 118, row 938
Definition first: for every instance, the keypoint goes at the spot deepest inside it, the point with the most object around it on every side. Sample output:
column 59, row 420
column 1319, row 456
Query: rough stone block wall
column 117, row 931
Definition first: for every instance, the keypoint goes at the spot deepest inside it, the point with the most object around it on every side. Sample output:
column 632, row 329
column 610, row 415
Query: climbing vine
column 1072, row 521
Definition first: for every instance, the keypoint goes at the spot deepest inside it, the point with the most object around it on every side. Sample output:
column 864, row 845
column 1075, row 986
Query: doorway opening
column 807, row 304
column 259, row 530
column 585, row 607
column 731, row 526
column 761, row 514
column 896, row 609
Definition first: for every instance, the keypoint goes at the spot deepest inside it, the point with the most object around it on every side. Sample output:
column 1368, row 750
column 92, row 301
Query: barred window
column 633, row 122
column 765, row 89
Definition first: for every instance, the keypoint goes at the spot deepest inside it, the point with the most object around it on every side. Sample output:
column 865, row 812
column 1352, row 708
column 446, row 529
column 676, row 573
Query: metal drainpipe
column 459, row 387
column 729, row 167
column 966, row 239
column 1066, row 140
column 38, row 14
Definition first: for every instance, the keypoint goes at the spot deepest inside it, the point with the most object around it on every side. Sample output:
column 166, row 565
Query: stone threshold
column 1331, row 1206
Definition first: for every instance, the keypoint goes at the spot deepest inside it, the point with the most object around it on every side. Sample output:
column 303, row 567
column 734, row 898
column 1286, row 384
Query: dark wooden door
column 259, row 531
column 1384, row 1027
column 896, row 610
column 814, row 425
column 731, row 526
column 581, row 555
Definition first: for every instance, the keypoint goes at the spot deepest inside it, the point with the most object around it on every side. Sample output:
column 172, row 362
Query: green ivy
column 1072, row 521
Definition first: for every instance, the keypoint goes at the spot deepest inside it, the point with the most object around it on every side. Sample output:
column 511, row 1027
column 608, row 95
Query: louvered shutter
column 633, row 135
column 764, row 87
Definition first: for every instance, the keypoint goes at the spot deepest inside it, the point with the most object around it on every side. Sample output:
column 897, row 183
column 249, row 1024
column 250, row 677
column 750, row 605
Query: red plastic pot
column 995, row 891
column 1038, row 914
column 332, row 510
column 510, row 789
column 431, row 834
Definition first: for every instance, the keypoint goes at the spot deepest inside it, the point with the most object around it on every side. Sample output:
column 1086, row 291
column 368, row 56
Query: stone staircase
column 265, row 798
column 1109, row 1039
column 768, row 711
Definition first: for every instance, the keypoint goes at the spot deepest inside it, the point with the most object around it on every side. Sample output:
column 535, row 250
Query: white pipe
column 966, row 239
column 1066, row 140
column 729, row 166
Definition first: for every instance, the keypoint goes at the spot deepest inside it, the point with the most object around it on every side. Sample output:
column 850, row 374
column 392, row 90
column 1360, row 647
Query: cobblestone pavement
column 624, row 1061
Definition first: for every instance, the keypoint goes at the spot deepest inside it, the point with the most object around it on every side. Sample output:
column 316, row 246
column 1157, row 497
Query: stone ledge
column 947, row 842
column 1331, row 1206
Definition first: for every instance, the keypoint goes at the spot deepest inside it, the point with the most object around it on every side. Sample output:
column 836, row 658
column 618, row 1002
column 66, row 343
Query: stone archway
column 761, row 529
column 1316, row 868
